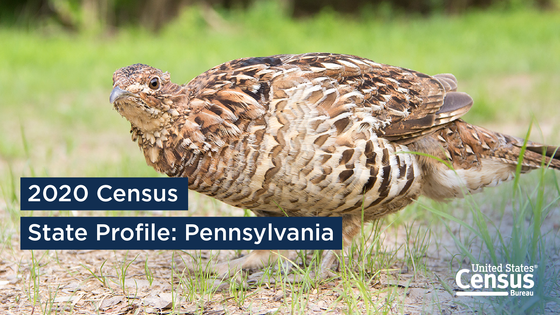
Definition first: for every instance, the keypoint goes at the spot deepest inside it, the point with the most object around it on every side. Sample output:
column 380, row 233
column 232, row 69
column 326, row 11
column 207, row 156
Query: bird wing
column 396, row 103
column 408, row 103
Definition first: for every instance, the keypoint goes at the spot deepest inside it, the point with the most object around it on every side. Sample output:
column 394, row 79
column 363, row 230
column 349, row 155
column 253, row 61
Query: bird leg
column 329, row 258
column 351, row 225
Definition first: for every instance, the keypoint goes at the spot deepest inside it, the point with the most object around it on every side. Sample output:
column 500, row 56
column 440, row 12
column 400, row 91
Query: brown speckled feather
column 316, row 135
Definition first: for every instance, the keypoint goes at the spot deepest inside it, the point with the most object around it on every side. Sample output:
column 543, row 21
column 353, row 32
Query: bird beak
column 117, row 93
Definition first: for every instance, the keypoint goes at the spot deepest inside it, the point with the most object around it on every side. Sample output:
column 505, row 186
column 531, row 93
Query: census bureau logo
column 496, row 280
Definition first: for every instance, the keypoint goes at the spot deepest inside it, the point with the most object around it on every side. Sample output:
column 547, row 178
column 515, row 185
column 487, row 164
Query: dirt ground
column 64, row 273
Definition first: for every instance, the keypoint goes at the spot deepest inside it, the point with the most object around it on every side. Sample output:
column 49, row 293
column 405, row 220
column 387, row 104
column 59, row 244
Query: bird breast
column 307, row 156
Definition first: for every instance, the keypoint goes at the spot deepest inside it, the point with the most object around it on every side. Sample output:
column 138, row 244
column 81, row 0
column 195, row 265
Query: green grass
column 527, row 242
column 55, row 120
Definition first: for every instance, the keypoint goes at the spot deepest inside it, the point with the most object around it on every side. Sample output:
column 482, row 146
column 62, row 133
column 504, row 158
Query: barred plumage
column 316, row 135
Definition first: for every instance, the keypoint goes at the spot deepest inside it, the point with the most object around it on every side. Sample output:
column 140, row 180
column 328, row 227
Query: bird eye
column 154, row 83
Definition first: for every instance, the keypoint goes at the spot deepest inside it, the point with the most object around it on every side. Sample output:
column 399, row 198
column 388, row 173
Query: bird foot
column 232, row 270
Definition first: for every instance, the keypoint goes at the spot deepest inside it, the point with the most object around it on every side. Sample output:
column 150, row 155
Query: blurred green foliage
column 96, row 15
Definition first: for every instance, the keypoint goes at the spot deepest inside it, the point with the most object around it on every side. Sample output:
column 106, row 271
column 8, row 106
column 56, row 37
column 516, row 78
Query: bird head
column 144, row 95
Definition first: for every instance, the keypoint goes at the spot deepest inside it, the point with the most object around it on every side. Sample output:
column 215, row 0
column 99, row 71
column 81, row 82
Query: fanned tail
column 507, row 149
column 480, row 158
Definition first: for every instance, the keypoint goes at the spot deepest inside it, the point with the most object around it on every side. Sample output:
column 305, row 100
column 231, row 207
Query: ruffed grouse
column 316, row 135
